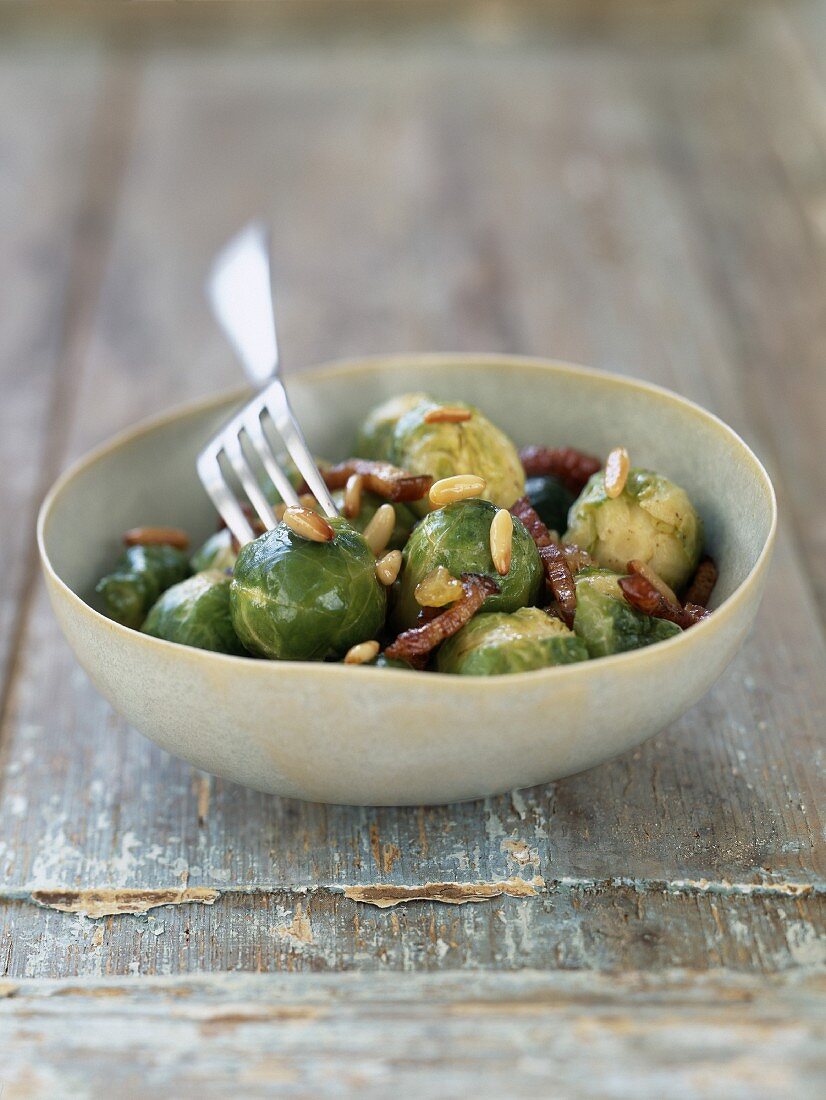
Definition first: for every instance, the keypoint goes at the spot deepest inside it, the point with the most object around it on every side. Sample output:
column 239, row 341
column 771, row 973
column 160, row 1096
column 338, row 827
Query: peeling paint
column 298, row 929
column 112, row 901
column 385, row 895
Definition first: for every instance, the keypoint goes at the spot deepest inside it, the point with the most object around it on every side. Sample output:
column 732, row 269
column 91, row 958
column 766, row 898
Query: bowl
column 372, row 736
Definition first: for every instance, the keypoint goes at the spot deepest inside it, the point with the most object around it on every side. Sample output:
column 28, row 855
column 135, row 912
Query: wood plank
column 44, row 136
column 675, row 1034
column 470, row 243
column 605, row 926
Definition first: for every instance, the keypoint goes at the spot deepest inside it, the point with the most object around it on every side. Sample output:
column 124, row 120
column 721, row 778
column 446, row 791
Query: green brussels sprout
column 196, row 612
column 495, row 643
column 370, row 504
column 141, row 574
column 296, row 600
column 217, row 552
column 375, row 436
column 474, row 446
column 458, row 538
column 652, row 520
column 606, row 623
column 551, row 500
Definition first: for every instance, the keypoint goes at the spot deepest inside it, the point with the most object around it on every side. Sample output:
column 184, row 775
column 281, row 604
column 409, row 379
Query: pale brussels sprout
column 495, row 643
column 607, row 623
column 218, row 552
column 375, row 436
column 651, row 520
column 474, row 446
column 457, row 537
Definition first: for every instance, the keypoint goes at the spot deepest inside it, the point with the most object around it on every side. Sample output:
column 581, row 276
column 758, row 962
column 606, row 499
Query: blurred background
column 636, row 186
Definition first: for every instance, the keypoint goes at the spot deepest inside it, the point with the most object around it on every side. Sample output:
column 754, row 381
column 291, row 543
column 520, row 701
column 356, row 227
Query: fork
column 239, row 289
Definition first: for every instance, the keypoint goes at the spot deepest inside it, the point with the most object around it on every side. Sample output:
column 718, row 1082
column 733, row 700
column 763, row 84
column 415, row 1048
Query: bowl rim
column 444, row 681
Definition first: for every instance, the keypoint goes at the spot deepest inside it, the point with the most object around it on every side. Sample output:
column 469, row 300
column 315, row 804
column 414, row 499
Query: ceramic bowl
column 364, row 735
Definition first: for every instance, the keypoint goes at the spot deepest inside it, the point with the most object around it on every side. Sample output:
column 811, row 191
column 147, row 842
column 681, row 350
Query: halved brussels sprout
column 296, row 600
column 458, row 538
column 141, row 574
column 651, row 520
column 495, row 643
column 375, row 436
column 550, row 499
column 217, row 552
column 606, row 623
column 474, row 446
column 370, row 504
column 196, row 612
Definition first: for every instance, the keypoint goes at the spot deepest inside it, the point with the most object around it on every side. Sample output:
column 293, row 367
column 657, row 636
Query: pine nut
column 306, row 500
column 458, row 487
column 617, row 466
column 352, row 495
column 380, row 528
column 387, row 567
column 447, row 414
column 362, row 653
column 501, row 541
column 438, row 588
column 157, row 536
column 309, row 525
column 646, row 571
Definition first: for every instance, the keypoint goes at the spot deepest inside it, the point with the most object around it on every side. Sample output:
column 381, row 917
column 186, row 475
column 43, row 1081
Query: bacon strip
column 415, row 645
column 525, row 511
column 381, row 478
column 571, row 466
column 561, row 581
column 576, row 557
column 642, row 595
column 702, row 583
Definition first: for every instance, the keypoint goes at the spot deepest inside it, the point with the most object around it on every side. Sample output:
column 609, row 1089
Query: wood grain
column 677, row 1034
column 500, row 192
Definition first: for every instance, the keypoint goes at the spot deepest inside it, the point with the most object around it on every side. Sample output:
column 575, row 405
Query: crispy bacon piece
column 525, row 511
column 571, row 466
column 576, row 557
column 702, row 583
column 561, row 581
column 157, row 536
column 380, row 478
column 416, row 644
column 642, row 595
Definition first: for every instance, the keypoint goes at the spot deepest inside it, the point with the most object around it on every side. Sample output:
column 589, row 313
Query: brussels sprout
column 292, row 599
column 474, row 446
column 370, row 504
column 494, row 643
column 141, row 574
column 375, row 436
column 606, row 622
column 217, row 552
column 458, row 537
column 550, row 499
column 195, row 612
column 651, row 520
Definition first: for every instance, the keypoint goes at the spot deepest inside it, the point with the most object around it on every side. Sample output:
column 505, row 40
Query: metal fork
column 239, row 289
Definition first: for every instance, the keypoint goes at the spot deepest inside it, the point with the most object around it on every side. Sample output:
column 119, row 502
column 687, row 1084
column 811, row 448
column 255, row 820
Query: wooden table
column 644, row 191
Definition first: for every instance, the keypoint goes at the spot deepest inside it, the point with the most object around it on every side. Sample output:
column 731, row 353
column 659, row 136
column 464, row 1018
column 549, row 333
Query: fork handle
column 239, row 289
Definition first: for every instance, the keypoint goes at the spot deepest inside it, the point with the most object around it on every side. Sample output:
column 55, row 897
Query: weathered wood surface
column 448, row 1036
column 657, row 212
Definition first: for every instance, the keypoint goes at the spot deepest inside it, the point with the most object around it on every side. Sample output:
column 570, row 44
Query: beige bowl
column 363, row 735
